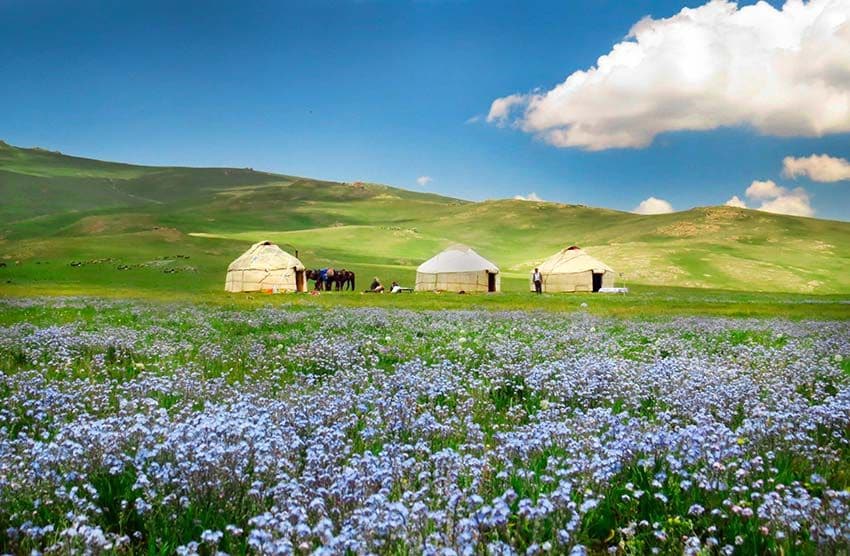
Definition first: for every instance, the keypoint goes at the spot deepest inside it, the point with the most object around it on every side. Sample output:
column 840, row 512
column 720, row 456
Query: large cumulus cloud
column 775, row 198
column 822, row 168
column 785, row 72
column 653, row 205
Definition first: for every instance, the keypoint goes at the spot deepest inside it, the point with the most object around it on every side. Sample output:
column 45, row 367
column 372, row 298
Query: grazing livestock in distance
column 328, row 279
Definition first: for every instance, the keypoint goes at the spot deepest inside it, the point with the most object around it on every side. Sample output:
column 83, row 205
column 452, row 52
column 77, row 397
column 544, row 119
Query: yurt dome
column 458, row 269
column 265, row 267
column 573, row 270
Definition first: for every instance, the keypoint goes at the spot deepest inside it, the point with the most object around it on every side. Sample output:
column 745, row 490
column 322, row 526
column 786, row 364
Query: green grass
column 642, row 302
column 59, row 209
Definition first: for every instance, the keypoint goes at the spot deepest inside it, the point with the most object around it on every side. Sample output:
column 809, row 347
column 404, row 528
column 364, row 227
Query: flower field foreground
column 129, row 428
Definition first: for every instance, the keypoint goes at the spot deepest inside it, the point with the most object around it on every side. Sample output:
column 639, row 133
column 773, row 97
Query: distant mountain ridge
column 57, row 208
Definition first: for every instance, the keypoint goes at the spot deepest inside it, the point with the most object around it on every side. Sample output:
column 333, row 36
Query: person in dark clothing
column 375, row 286
column 537, row 278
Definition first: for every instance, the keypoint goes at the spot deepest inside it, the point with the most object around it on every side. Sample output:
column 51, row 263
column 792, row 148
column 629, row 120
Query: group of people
column 377, row 287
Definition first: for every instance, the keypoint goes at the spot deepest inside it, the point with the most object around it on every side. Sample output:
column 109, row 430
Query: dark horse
column 328, row 279
column 322, row 278
column 344, row 279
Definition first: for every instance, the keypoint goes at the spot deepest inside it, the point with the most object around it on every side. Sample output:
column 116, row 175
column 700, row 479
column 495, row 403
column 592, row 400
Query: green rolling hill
column 69, row 223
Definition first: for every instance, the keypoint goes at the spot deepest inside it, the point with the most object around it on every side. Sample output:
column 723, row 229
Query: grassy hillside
column 69, row 222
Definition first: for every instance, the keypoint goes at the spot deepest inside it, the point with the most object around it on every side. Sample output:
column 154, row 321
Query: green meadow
column 134, row 386
column 76, row 226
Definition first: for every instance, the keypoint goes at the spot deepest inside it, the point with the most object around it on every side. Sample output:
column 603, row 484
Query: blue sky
column 369, row 91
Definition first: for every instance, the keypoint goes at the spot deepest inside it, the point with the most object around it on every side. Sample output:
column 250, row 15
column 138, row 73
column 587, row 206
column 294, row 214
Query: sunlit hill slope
column 68, row 221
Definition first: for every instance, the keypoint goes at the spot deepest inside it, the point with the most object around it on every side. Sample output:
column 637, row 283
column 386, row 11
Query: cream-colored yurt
column 458, row 269
column 265, row 266
column 573, row 270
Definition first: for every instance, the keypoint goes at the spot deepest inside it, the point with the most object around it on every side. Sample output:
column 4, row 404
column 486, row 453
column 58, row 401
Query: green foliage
column 764, row 338
column 513, row 392
column 116, row 497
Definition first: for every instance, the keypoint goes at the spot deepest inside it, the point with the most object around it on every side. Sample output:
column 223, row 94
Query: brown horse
column 323, row 277
column 328, row 279
column 344, row 279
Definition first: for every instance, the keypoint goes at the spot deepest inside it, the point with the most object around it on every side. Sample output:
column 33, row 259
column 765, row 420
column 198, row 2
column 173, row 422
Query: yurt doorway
column 491, row 282
column 597, row 281
column 299, row 281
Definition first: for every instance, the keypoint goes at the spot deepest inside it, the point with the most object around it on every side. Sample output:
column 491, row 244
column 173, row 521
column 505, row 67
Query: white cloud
column 822, row 168
column 473, row 120
column 501, row 108
column 653, row 205
column 735, row 201
column 778, row 199
column 762, row 190
column 784, row 72
column 424, row 180
column 530, row 197
column 795, row 203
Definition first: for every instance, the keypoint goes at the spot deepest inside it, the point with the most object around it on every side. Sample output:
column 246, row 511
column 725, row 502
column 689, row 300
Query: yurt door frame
column 299, row 281
column 597, row 281
column 491, row 282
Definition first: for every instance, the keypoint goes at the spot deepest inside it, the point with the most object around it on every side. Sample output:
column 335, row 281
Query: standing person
column 537, row 278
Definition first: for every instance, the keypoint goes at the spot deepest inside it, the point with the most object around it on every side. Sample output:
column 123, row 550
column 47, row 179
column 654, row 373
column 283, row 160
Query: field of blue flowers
column 131, row 427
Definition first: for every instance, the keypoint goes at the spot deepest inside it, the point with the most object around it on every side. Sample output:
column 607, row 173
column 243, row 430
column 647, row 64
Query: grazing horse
column 323, row 277
column 344, row 280
column 328, row 279
column 311, row 274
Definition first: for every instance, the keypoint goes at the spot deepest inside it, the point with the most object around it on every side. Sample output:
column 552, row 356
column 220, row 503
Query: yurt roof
column 571, row 260
column 457, row 258
column 265, row 255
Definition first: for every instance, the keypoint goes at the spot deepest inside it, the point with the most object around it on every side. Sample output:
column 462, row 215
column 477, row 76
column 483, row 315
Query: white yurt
column 458, row 269
column 573, row 270
column 265, row 267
